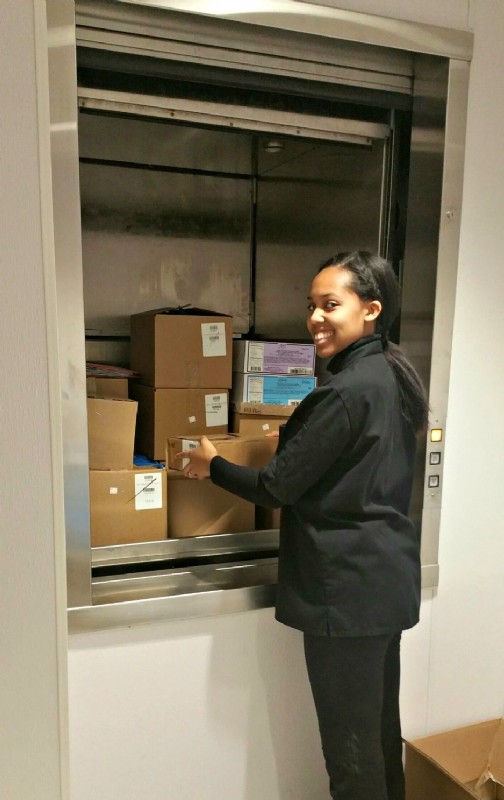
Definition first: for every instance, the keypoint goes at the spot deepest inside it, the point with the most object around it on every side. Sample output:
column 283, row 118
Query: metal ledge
column 186, row 593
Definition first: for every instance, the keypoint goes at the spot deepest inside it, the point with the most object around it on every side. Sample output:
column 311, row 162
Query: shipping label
column 213, row 335
column 188, row 444
column 279, row 389
column 281, row 358
column 216, row 410
column 148, row 491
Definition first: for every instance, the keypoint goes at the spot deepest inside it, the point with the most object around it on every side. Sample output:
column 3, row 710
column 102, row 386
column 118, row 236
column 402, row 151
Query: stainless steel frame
column 316, row 26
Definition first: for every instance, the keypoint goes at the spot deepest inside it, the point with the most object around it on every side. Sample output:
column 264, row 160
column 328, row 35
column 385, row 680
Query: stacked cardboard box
column 126, row 504
column 279, row 373
column 269, row 380
column 183, row 358
column 255, row 419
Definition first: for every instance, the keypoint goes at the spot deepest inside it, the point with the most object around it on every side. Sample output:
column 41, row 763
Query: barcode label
column 299, row 371
column 293, row 402
column 148, row 491
column 213, row 338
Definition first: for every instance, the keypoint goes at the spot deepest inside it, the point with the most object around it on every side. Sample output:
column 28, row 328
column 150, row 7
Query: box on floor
column 176, row 412
column 276, row 358
column 254, row 419
column 458, row 764
column 247, row 451
column 177, row 350
column 199, row 508
column 111, row 432
column 127, row 506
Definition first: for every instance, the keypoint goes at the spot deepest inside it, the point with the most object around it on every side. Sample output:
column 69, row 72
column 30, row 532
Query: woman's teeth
column 319, row 337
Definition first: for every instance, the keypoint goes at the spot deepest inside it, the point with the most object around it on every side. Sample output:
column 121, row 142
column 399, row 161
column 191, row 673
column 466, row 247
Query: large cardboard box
column 199, row 508
column 111, row 432
column 247, row 451
column 189, row 350
column 276, row 358
column 458, row 764
column 254, row 419
column 127, row 506
column 286, row 390
column 176, row 412
column 116, row 388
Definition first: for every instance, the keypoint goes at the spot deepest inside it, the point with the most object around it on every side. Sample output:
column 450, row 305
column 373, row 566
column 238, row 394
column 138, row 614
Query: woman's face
column 337, row 316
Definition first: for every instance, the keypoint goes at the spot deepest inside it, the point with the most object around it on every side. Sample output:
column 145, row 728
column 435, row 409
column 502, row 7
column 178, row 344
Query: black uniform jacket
column 349, row 562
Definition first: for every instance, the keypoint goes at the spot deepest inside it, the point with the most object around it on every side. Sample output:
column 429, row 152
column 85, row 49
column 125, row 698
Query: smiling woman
column 349, row 561
column 336, row 314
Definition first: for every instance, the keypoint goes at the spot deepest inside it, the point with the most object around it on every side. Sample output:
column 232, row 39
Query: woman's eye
column 331, row 304
column 311, row 307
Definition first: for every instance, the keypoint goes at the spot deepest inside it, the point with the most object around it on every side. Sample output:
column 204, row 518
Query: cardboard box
column 458, row 764
column 199, row 508
column 127, row 506
column 176, row 351
column 116, row 388
column 111, row 432
column 275, row 358
column 176, row 412
column 286, row 390
column 255, row 419
column 247, row 451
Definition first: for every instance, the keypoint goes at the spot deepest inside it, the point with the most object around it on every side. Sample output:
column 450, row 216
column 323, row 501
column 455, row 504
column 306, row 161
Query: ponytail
column 374, row 279
column 411, row 391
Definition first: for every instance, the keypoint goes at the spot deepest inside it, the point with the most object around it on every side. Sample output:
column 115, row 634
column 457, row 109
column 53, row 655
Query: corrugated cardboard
column 286, row 390
column 172, row 351
column 116, row 388
column 176, row 412
column 127, row 506
column 199, row 508
column 254, row 419
column 276, row 358
column 247, row 451
column 458, row 764
column 111, row 432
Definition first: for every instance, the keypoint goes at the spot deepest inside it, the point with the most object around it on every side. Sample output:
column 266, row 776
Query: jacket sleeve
column 315, row 437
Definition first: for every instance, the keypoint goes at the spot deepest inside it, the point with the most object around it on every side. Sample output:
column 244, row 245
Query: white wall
column 33, row 664
column 146, row 712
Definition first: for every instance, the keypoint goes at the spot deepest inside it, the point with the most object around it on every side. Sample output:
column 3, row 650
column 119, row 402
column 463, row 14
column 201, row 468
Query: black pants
column 355, row 685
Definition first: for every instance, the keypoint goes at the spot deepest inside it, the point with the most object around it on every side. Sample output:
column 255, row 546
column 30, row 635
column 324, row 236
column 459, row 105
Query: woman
column 349, row 563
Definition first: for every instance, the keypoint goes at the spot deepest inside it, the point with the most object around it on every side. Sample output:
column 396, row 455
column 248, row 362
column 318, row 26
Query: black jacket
column 349, row 562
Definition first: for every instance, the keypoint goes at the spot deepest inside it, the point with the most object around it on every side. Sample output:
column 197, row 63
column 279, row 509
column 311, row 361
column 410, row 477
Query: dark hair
column 374, row 279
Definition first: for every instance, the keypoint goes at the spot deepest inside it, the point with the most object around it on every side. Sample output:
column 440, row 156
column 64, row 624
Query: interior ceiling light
column 273, row 146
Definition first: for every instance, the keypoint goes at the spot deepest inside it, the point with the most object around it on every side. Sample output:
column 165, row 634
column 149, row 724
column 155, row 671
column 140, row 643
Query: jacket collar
column 367, row 346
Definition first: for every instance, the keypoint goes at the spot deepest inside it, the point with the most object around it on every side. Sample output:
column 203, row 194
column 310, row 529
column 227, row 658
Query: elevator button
column 435, row 458
column 436, row 435
column 433, row 481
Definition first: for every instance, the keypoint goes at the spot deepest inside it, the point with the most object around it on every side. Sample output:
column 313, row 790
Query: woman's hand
column 199, row 459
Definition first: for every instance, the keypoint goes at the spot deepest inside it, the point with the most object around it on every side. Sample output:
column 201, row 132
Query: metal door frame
column 299, row 18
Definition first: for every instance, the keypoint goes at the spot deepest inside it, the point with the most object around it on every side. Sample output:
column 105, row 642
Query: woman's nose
column 317, row 315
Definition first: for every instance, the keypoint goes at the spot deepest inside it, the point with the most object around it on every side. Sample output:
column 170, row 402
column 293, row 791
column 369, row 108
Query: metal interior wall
column 448, row 243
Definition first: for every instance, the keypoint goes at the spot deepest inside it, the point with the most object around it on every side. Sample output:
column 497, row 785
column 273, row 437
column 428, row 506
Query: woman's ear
column 374, row 308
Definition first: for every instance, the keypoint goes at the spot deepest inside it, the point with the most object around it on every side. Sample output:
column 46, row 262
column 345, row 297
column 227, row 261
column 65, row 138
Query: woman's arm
column 314, row 440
